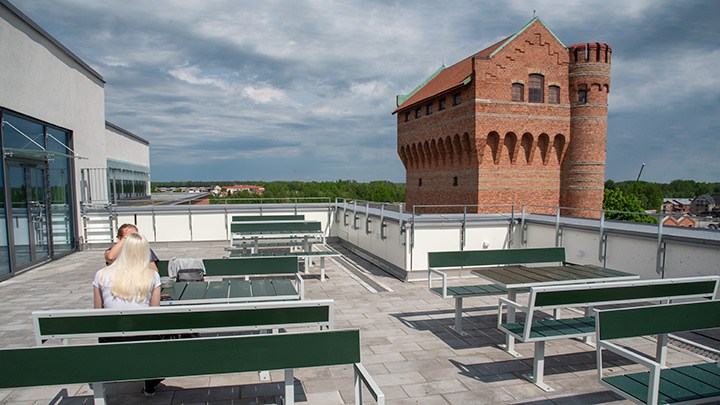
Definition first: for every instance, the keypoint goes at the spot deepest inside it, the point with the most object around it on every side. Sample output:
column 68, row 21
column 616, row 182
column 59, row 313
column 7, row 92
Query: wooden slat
column 217, row 289
column 261, row 287
column 652, row 320
column 240, row 289
column 195, row 290
column 470, row 258
column 283, row 286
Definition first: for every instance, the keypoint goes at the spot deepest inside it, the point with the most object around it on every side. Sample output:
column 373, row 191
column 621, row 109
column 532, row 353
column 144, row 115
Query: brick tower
column 583, row 169
column 520, row 123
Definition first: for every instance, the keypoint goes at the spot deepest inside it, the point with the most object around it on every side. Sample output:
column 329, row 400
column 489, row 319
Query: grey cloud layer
column 304, row 89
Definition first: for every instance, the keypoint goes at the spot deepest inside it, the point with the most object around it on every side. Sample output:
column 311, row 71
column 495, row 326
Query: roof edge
column 523, row 30
column 125, row 132
column 63, row 48
column 401, row 98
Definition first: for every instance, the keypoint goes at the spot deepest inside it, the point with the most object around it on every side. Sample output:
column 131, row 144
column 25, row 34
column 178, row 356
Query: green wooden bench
column 267, row 218
column 538, row 328
column 308, row 255
column 691, row 384
column 477, row 258
column 89, row 363
column 263, row 271
column 276, row 232
column 214, row 318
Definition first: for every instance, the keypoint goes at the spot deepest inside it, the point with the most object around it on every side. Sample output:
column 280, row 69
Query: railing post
column 558, row 231
column 523, row 227
column 462, row 228
column 382, row 222
column 367, row 218
column 660, row 258
column 602, row 248
column 511, row 231
column 190, row 220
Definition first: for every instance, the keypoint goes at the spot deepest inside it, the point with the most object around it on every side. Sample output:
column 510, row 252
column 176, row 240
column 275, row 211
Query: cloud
column 305, row 89
column 264, row 95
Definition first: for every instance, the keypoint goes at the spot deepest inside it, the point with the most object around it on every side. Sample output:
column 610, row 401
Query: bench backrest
column 54, row 365
column 276, row 227
column 470, row 258
column 657, row 319
column 245, row 266
column 261, row 218
column 623, row 292
column 71, row 324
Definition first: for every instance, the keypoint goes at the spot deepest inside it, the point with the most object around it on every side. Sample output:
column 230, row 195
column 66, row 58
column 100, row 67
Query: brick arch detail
column 416, row 156
column 559, row 146
column 458, row 149
column 435, row 153
column 527, row 145
column 510, row 144
column 428, row 156
column 468, row 148
column 493, row 143
column 450, row 151
column 543, row 145
column 441, row 151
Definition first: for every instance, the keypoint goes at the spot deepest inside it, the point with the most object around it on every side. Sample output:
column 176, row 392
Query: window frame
column 429, row 109
column 584, row 91
column 441, row 104
column 513, row 92
column 553, row 91
column 536, row 91
column 407, row 116
column 457, row 99
column 418, row 112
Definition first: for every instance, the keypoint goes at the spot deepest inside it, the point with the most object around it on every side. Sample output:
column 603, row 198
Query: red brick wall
column 511, row 153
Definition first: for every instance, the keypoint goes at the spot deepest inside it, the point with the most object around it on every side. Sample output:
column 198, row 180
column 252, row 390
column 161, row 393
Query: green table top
column 230, row 290
column 525, row 277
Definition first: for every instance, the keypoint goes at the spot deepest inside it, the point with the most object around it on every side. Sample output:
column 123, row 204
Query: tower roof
column 446, row 79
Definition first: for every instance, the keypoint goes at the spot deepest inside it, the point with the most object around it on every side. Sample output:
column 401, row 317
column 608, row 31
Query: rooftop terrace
column 407, row 343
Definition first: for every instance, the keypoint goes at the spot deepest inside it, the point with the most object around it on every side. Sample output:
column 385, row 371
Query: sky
column 304, row 90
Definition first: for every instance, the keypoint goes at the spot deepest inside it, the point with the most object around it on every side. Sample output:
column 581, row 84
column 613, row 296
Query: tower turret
column 583, row 168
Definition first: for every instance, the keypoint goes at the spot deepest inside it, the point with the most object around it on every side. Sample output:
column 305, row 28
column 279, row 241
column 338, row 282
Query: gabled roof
column 459, row 74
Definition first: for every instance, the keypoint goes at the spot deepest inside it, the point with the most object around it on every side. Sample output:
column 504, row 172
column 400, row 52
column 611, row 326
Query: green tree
column 629, row 207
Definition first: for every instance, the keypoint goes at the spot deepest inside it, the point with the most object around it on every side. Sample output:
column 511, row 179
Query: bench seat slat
column 240, row 289
column 676, row 385
column 283, row 286
column 217, row 289
column 262, row 287
column 555, row 327
column 195, row 290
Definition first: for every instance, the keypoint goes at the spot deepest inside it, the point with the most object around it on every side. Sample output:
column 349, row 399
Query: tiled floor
column 407, row 346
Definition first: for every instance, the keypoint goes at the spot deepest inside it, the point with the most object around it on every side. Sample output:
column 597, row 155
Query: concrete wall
column 43, row 81
column 124, row 147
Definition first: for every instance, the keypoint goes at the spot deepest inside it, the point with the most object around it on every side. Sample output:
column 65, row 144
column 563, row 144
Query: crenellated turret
column 583, row 169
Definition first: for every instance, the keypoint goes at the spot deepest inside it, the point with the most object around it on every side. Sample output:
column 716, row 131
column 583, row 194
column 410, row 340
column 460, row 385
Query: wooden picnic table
column 230, row 290
column 516, row 277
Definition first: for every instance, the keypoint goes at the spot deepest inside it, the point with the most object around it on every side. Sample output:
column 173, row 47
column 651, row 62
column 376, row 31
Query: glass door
column 28, row 214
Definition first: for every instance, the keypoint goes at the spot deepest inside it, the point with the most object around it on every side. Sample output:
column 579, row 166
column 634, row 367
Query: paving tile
column 434, row 388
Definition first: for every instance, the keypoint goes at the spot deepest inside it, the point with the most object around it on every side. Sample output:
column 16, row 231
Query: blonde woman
column 129, row 282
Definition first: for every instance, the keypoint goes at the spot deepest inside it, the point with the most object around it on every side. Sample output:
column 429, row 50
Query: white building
column 55, row 142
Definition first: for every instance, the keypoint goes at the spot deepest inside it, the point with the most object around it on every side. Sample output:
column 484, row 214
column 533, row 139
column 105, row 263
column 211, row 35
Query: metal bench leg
column 322, row 269
column 289, row 387
column 510, row 340
column 661, row 350
column 358, row 389
column 589, row 338
column 539, row 367
column 99, row 393
column 458, row 317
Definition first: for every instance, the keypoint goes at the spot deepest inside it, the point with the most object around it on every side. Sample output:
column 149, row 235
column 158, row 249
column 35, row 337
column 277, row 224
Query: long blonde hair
column 133, row 278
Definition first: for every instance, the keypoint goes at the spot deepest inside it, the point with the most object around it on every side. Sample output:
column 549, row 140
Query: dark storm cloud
column 304, row 90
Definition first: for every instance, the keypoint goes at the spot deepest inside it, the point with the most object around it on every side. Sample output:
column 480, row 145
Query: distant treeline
column 651, row 195
column 373, row 191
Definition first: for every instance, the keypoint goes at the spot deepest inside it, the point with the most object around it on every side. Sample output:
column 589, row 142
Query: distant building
column 251, row 189
column 706, row 205
column 684, row 221
column 522, row 122
column 676, row 205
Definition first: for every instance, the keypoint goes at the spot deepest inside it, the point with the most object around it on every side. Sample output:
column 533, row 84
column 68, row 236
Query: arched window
column 518, row 92
column 535, row 93
column 554, row 94
column 582, row 95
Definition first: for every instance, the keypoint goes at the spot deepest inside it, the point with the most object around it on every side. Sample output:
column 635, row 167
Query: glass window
column 455, row 181
column 21, row 134
column 61, row 197
column 441, row 104
column 535, row 92
column 417, row 112
column 419, row 181
column 407, row 116
column 554, row 95
column 582, row 95
column 518, row 92
column 428, row 109
column 456, row 99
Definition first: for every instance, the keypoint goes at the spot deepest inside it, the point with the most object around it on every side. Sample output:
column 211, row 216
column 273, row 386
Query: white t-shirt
column 110, row 301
